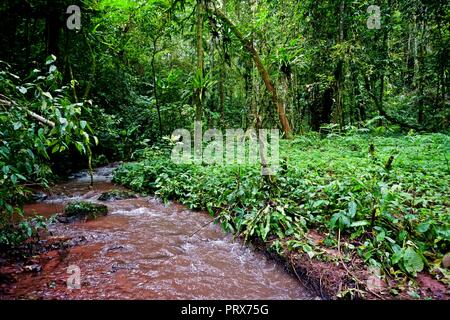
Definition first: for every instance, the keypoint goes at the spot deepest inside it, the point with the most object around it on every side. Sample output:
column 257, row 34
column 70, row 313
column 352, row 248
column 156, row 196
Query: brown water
column 145, row 250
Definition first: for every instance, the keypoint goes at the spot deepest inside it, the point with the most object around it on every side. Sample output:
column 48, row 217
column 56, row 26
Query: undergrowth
column 387, row 197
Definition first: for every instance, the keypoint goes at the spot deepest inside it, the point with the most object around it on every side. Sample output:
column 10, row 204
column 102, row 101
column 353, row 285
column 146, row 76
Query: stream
column 145, row 250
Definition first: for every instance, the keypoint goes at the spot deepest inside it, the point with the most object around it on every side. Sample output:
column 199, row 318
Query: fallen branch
column 6, row 102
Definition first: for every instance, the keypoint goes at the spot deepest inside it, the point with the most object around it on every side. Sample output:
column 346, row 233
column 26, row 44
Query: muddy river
column 145, row 250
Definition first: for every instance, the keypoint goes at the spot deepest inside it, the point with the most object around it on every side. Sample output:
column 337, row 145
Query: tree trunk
column 339, row 74
column 200, row 61
column 52, row 26
column 222, row 93
column 222, row 81
column 420, row 73
column 276, row 100
column 385, row 56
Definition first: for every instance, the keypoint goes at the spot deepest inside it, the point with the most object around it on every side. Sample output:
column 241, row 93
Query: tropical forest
column 224, row 150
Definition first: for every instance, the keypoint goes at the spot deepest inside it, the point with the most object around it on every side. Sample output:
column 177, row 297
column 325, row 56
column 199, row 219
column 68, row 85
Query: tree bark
column 339, row 74
column 383, row 69
column 222, row 82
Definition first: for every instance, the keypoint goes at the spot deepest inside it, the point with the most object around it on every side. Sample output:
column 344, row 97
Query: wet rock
column 51, row 284
column 121, row 265
column 116, row 195
column 82, row 210
column 33, row 268
column 63, row 219
column 115, row 248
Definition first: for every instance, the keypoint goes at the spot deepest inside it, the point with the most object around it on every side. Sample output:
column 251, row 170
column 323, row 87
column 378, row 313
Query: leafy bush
column 12, row 234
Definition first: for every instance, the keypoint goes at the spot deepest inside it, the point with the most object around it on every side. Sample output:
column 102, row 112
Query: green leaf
column 381, row 235
column 30, row 153
column 5, row 169
column 307, row 248
column 266, row 229
column 80, row 147
column 41, row 132
column 55, row 148
column 318, row 203
column 352, row 209
column 423, row 227
column 50, row 59
column 63, row 121
column 9, row 208
column 412, row 261
column 340, row 218
column 48, row 95
column 21, row 177
column 396, row 257
column 29, row 230
column 402, row 235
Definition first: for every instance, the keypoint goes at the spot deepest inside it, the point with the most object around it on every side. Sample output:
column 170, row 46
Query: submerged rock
column 82, row 210
column 117, row 195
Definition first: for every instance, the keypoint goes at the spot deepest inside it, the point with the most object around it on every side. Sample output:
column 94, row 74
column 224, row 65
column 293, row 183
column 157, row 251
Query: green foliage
column 13, row 234
column 37, row 120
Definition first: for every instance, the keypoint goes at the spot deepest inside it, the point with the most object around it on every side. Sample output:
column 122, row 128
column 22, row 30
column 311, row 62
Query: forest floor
column 355, row 216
